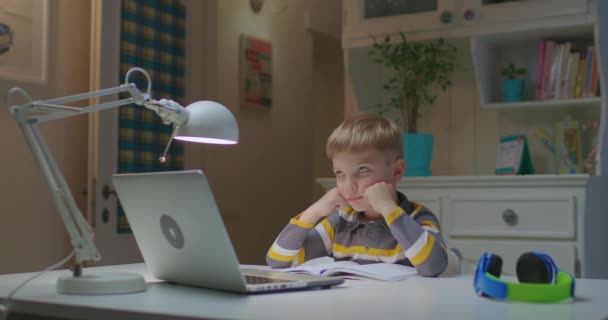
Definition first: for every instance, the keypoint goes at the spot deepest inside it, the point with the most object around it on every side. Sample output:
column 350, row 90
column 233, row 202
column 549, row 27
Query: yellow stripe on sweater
column 328, row 229
column 348, row 210
column 279, row 257
column 429, row 223
column 368, row 251
column 301, row 256
column 394, row 215
column 300, row 223
column 424, row 253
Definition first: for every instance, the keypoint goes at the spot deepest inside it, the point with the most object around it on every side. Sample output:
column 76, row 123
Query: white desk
column 415, row 298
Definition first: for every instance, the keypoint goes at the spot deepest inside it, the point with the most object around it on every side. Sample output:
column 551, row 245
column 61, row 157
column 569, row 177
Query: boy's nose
column 351, row 184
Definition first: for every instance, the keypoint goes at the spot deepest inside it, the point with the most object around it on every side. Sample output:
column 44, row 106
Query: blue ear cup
column 536, row 267
column 489, row 263
column 494, row 266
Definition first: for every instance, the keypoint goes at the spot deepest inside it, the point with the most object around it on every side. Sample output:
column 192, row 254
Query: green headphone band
column 538, row 292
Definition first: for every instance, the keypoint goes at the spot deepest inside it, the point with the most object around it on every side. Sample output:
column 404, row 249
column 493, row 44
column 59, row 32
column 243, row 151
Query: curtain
column 153, row 38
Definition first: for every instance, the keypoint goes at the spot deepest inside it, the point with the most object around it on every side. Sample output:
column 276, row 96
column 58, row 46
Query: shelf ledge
column 583, row 102
column 488, row 181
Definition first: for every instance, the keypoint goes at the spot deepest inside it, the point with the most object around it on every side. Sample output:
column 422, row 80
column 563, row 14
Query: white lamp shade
column 209, row 122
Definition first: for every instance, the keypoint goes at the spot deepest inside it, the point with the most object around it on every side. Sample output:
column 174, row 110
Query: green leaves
column 414, row 69
column 511, row 71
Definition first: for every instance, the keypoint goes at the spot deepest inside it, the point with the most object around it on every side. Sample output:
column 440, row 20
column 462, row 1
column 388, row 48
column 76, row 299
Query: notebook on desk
column 181, row 235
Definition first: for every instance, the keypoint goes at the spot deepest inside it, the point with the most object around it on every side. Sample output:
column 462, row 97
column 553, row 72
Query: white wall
column 328, row 101
column 31, row 234
column 268, row 177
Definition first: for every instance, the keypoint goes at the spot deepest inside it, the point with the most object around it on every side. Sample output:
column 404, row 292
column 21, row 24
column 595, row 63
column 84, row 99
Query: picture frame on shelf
column 24, row 40
column 513, row 156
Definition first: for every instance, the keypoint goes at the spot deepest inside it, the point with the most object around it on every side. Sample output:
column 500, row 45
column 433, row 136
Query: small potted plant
column 512, row 85
column 415, row 68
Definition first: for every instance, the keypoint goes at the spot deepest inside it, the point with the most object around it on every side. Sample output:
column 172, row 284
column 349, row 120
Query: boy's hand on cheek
column 325, row 206
column 382, row 197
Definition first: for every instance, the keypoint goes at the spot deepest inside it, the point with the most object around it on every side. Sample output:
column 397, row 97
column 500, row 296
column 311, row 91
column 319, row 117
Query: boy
column 364, row 219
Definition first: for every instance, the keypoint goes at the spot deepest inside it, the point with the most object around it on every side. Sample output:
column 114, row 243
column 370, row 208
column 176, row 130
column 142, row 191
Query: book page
column 377, row 271
column 319, row 269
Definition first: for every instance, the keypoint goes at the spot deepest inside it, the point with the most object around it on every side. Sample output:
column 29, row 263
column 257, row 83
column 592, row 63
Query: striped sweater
column 409, row 235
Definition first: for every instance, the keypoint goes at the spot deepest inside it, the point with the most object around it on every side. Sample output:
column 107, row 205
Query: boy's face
column 355, row 172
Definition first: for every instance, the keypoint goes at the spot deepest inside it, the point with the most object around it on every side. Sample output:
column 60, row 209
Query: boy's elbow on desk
column 277, row 264
column 435, row 266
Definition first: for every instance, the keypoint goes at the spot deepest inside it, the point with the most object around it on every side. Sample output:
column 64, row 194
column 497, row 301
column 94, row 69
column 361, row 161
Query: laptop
column 182, row 238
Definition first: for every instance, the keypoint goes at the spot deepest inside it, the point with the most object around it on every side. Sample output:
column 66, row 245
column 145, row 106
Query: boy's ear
column 398, row 169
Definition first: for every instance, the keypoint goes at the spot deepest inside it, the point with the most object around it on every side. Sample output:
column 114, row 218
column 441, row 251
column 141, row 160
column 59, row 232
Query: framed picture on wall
column 255, row 72
column 23, row 40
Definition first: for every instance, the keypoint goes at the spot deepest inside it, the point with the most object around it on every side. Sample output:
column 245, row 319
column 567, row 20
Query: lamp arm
column 78, row 228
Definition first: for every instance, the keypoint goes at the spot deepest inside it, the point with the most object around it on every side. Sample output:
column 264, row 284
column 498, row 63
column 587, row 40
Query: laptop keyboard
column 261, row 280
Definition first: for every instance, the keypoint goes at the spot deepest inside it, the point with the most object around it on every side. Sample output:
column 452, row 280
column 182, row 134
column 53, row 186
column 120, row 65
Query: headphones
column 540, row 280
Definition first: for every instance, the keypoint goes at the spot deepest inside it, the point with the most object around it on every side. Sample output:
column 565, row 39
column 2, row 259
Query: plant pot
column 512, row 90
column 417, row 154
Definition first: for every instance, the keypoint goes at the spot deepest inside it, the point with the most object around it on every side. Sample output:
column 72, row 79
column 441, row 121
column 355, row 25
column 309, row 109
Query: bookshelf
column 491, row 52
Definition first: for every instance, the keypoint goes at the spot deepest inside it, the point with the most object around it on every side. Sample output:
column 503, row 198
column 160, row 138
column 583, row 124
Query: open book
column 377, row 271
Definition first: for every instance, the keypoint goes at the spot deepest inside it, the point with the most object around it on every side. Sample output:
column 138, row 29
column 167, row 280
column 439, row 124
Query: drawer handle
column 509, row 217
column 469, row 15
column 446, row 17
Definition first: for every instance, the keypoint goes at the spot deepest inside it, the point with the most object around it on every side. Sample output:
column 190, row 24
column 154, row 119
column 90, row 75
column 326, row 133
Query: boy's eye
column 363, row 169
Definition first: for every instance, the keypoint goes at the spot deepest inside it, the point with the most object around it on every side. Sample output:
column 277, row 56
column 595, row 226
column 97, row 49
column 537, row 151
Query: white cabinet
column 509, row 215
column 366, row 18
column 492, row 11
column 426, row 19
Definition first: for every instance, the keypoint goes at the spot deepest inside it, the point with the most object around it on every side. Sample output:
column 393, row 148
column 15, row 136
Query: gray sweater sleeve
column 300, row 241
column 418, row 233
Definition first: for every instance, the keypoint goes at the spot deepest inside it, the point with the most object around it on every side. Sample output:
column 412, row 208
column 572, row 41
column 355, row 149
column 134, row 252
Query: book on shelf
column 547, row 63
column 556, row 69
column 593, row 80
column 350, row 269
column 571, row 81
column 565, row 70
column 580, row 78
column 563, row 67
column 540, row 69
column 588, row 71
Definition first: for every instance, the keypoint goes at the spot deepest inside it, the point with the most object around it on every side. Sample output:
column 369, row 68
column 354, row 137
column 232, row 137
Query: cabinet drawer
column 564, row 254
column 511, row 217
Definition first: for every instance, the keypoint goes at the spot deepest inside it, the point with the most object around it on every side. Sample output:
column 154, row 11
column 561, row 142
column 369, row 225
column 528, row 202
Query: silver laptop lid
column 178, row 228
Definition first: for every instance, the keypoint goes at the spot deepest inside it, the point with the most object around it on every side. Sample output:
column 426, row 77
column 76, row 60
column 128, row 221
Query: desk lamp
column 203, row 122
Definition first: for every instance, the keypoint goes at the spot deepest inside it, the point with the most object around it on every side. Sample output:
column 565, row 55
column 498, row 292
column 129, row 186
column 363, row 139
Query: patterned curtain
column 152, row 38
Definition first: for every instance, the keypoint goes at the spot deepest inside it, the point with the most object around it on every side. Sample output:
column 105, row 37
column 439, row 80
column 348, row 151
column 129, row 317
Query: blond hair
column 363, row 132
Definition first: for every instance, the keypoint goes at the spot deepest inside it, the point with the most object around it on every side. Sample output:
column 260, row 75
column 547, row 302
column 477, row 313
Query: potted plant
column 512, row 86
column 415, row 69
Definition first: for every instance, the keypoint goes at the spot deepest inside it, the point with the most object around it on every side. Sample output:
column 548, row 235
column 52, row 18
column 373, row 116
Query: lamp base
column 101, row 283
